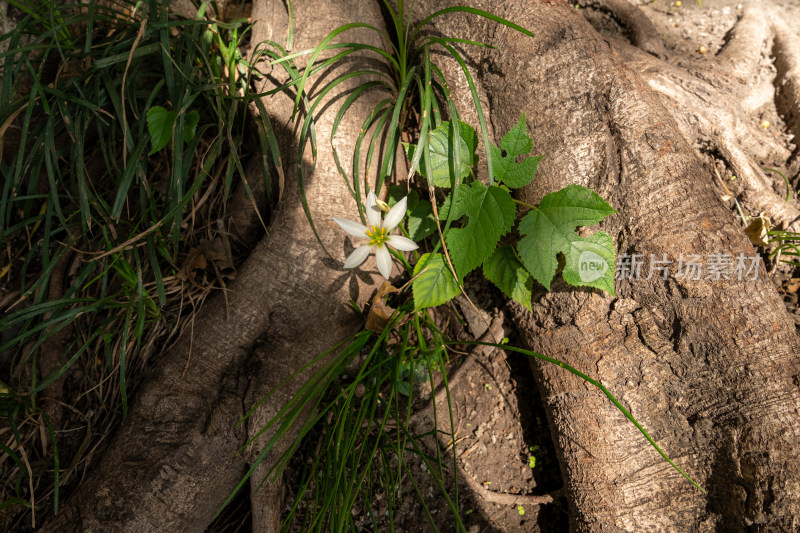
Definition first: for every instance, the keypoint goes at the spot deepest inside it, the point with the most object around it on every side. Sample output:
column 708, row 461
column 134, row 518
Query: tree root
column 637, row 27
column 708, row 116
column 674, row 351
column 175, row 459
column 786, row 49
column 51, row 358
column 714, row 114
column 747, row 43
column 318, row 19
column 501, row 498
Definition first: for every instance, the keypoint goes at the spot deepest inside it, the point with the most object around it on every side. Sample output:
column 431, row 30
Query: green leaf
column 506, row 271
column 190, row 125
column 590, row 262
column 440, row 144
column 421, row 221
column 491, row 213
column 515, row 143
column 436, row 285
column 159, row 124
column 394, row 194
column 549, row 230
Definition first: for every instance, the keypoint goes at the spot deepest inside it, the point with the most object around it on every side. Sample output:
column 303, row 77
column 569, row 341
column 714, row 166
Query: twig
column 30, row 484
column 505, row 498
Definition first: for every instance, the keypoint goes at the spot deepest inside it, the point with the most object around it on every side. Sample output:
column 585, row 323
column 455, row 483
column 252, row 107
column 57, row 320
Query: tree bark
column 317, row 315
column 709, row 366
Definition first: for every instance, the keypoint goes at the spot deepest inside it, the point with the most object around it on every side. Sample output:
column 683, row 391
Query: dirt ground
column 500, row 432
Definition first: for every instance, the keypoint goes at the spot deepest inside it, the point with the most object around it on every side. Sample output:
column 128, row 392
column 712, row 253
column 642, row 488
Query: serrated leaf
column 421, row 221
column 515, row 143
column 550, row 230
column 159, row 124
column 590, row 262
column 439, row 143
column 491, row 213
column 434, row 286
column 190, row 125
column 506, row 271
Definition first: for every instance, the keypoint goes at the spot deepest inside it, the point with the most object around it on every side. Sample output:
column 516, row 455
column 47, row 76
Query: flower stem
column 401, row 258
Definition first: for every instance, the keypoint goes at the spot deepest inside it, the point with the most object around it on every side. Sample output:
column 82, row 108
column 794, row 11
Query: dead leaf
column 757, row 230
column 195, row 260
column 216, row 251
column 380, row 312
column 792, row 285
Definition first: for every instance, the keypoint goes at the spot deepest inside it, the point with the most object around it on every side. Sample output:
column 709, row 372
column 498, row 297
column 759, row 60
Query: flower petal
column 353, row 228
column 358, row 256
column 384, row 260
column 373, row 211
column 395, row 215
column 401, row 243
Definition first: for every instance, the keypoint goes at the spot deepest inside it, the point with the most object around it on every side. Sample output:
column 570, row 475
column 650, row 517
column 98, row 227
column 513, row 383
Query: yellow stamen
column 377, row 236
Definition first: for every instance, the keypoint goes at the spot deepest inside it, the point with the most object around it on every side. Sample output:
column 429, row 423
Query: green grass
column 83, row 200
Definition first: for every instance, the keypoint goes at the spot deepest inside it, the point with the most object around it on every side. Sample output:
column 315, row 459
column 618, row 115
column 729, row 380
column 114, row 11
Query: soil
column 499, row 426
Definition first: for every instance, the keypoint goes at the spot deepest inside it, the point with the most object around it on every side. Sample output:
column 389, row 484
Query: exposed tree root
column 714, row 114
column 310, row 329
column 635, row 24
column 507, row 499
column 747, row 42
column 706, row 366
column 175, row 461
column 53, row 349
column 786, row 50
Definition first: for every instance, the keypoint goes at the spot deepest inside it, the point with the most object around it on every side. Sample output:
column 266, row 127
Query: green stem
column 520, row 202
column 403, row 259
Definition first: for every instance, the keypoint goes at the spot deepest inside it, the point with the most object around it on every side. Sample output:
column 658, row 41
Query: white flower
column 378, row 235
